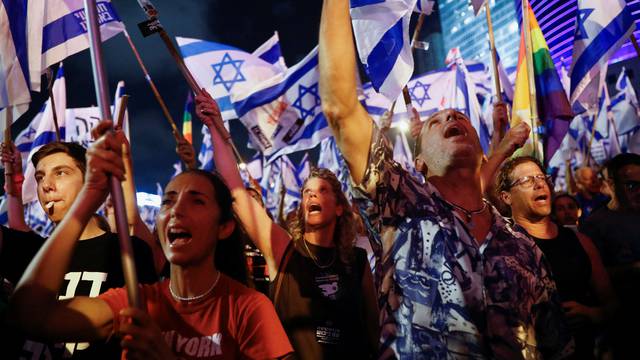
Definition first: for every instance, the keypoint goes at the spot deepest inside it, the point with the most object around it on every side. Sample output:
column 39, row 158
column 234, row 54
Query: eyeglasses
column 632, row 185
column 529, row 181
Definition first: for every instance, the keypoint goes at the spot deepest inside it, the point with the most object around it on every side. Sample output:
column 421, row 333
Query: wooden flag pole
column 121, row 111
column 533, row 106
column 154, row 89
column 51, row 79
column 153, row 25
column 102, row 91
column 634, row 41
column 8, row 166
column 494, row 59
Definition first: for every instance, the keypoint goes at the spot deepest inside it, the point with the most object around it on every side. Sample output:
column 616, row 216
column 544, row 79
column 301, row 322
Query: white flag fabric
column 283, row 114
column 46, row 133
column 222, row 70
column 624, row 106
column 270, row 52
column 65, row 28
column 381, row 30
column 424, row 6
column 601, row 28
column 14, row 61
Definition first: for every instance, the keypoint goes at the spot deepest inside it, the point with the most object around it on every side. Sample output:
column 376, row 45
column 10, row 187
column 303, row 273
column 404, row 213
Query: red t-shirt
column 233, row 322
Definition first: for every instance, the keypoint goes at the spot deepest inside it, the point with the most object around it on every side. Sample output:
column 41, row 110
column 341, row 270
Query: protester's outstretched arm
column 349, row 121
column 271, row 239
column 513, row 140
column 34, row 305
column 13, row 187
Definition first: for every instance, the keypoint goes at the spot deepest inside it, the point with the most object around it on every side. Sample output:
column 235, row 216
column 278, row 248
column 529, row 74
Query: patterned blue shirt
column 441, row 295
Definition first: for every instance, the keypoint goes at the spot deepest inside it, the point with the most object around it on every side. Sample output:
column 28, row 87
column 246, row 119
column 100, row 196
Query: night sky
column 243, row 24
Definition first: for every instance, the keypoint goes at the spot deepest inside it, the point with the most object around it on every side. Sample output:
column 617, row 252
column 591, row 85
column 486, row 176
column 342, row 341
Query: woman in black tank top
column 322, row 286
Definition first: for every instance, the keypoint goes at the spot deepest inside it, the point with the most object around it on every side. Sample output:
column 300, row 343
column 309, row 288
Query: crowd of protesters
column 479, row 259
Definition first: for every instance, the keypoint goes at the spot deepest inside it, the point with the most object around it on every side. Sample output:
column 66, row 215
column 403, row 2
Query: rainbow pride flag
column 187, row 130
column 551, row 99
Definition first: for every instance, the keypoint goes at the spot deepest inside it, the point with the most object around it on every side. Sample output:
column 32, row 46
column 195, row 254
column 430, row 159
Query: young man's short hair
column 619, row 161
column 74, row 150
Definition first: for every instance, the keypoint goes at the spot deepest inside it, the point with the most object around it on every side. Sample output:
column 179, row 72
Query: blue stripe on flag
column 614, row 31
column 272, row 56
column 267, row 95
column 73, row 24
column 199, row 47
column 384, row 55
column 17, row 14
column 359, row 3
column 224, row 103
column 47, row 137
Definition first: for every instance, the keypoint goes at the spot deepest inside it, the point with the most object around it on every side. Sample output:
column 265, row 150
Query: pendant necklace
column 315, row 260
column 468, row 214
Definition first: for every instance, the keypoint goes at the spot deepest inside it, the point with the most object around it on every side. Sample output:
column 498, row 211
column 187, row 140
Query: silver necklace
column 469, row 213
column 315, row 261
column 197, row 297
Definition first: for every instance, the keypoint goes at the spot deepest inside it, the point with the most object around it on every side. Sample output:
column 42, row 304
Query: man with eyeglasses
column 582, row 281
column 615, row 229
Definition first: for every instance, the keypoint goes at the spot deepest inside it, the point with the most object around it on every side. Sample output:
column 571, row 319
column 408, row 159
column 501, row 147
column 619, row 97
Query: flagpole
column 101, row 87
column 634, row 41
column 533, row 106
column 494, row 56
column 124, row 100
column 152, row 85
column 8, row 166
column 51, row 79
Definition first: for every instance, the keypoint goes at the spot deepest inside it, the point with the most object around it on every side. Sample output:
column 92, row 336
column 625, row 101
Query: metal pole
column 102, row 91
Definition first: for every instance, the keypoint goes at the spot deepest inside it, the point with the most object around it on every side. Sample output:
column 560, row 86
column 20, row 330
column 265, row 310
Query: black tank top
column 570, row 265
column 321, row 308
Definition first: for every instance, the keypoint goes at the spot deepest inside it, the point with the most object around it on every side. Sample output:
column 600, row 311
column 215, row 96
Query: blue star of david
column 217, row 69
column 581, row 32
column 414, row 92
column 312, row 98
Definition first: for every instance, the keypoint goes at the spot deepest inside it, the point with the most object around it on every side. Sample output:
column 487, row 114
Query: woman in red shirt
column 198, row 313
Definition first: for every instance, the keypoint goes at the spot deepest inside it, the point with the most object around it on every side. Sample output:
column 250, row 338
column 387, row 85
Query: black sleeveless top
column 570, row 265
column 320, row 303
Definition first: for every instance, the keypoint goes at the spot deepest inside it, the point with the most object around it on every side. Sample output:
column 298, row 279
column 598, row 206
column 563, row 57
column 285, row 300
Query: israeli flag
column 624, row 106
column 291, row 185
column 283, row 114
column 303, row 169
column 205, row 156
column 222, row 70
column 601, row 28
column 424, row 6
column 270, row 52
column 46, row 133
column 381, row 29
column 14, row 61
column 65, row 28
column 403, row 155
column 331, row 158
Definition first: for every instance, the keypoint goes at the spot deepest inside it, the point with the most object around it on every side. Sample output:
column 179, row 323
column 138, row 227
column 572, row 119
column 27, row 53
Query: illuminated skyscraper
column 461, row 28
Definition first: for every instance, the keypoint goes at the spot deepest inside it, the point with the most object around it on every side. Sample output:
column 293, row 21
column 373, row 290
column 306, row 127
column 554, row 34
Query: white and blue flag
column 283, row 114
column 331, row 158
column 424, row 6
column 601, row 28
column 64, row 31
column 14, row 60
column 222, row 70
column 45, row 133
column 205, row 156
column 624, row 106
column 381, row 30
column 270, row 52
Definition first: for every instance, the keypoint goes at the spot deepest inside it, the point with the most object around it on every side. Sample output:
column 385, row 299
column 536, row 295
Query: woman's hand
column 10, row 154
column 185, row 152
column 141, row 337
column 104, row 158
column 208, row 112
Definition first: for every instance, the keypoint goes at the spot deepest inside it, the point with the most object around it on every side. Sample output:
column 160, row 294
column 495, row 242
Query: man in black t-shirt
column 95, row 264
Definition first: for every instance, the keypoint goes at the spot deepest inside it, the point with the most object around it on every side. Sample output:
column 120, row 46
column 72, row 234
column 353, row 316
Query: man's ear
column 505, row 197
column 421, row 166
